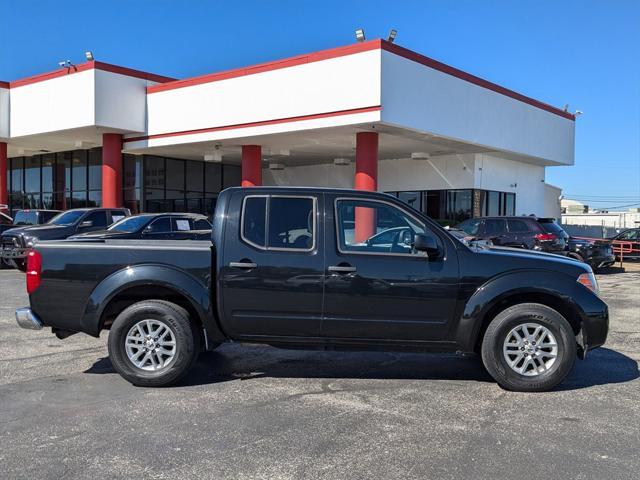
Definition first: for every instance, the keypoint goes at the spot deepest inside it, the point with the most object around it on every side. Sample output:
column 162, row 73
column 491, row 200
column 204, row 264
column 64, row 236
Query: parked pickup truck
column 318, row 268
column 15, row 243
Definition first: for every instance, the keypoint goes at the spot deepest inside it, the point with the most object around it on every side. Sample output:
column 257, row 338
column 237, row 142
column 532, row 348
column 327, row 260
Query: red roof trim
column 107, row 67
column 429, row 62
column 268, row 66
column 4, row 84
column 256, row 124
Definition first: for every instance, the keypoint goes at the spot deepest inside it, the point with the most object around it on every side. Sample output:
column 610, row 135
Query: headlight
column 589, row 281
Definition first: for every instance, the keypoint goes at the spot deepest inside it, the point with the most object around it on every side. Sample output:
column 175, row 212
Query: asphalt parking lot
column 258, row 412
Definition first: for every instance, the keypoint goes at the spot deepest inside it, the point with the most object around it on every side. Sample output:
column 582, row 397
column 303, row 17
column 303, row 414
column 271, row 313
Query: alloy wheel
column 530, row 349
column 150, row 345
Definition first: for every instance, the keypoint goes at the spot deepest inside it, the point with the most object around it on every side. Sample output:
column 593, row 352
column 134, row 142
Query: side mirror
column 426, row 243
column 86, row 224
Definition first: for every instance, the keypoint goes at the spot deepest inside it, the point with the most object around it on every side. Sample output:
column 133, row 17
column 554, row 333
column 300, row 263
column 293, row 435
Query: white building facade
column 372, row 115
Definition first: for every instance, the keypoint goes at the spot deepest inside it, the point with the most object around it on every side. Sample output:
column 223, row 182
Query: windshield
column 26, row 218
column 130, row 224
column 67, row 218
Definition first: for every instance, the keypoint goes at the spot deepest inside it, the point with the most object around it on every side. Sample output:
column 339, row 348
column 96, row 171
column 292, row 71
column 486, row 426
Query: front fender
column 144, row 275
column 588, row 307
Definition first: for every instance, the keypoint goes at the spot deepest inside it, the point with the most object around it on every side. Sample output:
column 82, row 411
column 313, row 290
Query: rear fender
column 148, row 275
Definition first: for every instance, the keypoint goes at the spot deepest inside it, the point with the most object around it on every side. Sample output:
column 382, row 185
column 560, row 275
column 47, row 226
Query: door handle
column 243, row 265
column 342, row 269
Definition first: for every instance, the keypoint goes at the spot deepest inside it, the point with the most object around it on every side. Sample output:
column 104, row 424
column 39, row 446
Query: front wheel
column 529, row 347
column 153, row 343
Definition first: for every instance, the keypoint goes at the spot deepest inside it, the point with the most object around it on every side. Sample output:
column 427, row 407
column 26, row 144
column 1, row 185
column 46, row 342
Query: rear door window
column 279, row 222
column 98, row 219
column 160, row 225
column 182, row 224
column 494, row 226
column 518, row 226
column 117, row 215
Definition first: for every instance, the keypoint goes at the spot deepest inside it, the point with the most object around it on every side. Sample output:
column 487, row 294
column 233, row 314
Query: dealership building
column 372, row 116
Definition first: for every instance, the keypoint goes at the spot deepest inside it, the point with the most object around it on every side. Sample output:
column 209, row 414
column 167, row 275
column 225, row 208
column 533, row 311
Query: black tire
column 20, row 265
column 576, row 256
column 183, row 328
column 4, row 265
column 494, row 338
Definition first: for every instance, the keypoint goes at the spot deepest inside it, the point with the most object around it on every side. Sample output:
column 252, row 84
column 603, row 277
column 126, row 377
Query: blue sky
column 585, row 53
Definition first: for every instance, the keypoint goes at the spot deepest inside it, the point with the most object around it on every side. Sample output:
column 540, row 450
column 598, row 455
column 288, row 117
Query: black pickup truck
column 318, row 268
column 15, row 243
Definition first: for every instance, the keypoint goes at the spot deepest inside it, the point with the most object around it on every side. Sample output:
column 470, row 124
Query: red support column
column 366, row 179
column 251, row 165
column 111, row 170
column 4, row 194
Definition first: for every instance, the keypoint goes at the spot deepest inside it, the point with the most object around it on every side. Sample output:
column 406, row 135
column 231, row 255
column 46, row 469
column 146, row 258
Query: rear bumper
column 27, row 319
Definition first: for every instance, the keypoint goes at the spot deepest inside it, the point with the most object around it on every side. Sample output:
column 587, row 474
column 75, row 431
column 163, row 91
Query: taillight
column 34, row 270
column 546, row 237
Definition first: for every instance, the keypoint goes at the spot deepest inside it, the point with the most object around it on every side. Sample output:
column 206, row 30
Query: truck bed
column 72, row 270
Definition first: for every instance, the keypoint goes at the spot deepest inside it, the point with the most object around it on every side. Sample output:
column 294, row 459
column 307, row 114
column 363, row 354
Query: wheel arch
column 502, row 293
column 149, row 282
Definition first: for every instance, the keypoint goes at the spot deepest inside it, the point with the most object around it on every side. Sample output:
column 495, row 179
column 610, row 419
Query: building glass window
column 48, row 166
column 95, row 169
column 79, row 176
column 412, row 199
column 154, row 172
column 212, row 178
column 131, row 182
column 510, row 203
column 459, row 205
column 231, row 176
column 175, row 175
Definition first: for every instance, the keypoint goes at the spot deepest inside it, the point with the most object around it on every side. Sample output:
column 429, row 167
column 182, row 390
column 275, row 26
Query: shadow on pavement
column 232, row 362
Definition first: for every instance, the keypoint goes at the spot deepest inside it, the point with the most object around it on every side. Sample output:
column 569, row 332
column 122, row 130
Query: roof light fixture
column 89, row 56
column 215, row 156
column 360, row 35
column 392, row 35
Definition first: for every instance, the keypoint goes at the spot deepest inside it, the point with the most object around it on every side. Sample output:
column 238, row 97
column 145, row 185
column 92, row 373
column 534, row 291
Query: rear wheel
column 153, row 343
column 529, row 348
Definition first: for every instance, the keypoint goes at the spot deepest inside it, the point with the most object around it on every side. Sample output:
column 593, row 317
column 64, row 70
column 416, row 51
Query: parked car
column 155, row 226
column 309, row 268
column 631, row 238
column 15, row 243
column 531, row 233
column 26, row 217
column 468, row 240
column 595, row 252
column 23, row 218
column 5, row 222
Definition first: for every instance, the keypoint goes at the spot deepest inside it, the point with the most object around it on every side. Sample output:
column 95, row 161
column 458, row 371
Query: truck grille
column 9, row 243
